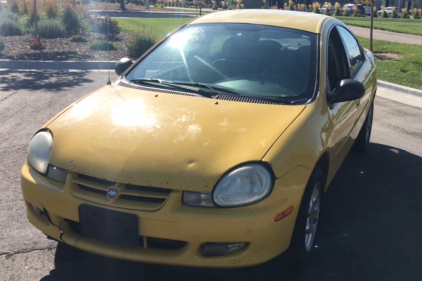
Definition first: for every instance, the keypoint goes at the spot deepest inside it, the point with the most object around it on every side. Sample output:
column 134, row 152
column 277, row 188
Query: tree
column 122, row 5
column 372, row 3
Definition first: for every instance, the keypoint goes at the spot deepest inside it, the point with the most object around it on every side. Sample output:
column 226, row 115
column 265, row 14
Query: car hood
column 164, row 140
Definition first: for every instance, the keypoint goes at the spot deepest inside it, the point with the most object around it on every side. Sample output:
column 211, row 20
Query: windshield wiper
column 213, row 88
column 196, row 90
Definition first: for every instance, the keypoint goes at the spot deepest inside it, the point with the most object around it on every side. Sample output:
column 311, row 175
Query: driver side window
column 337, row 64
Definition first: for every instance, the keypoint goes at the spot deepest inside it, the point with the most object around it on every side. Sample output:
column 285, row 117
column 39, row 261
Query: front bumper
column 173, row 221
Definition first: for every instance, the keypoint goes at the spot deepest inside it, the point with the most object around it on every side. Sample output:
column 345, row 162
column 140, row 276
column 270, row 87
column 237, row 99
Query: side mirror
column 346, row 90
column 122, row 65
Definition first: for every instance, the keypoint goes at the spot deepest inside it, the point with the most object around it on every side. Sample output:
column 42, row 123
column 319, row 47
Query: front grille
column 129, row 196
column 143, row 241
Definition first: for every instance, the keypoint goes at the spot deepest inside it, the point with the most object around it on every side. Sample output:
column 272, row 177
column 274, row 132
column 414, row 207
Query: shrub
column 301, row 7
column 77, row 38
column 404, row 13
column 315, row 7
column 14, row 6
column 71, row 19
column 346, row 12
column 25, row 22
column 141, row 42
column 327, row 8
column 7, row 15
column 383, row 13
column 50, row 28
column 104, row 25
column 36, row 44
column 337, row 12
column 102, row 46
column 416, row 13
column 419, row 14
column 291, row 6
column 1, row 44
column 356, row 12
column 394, row 12
column 337, row 9
column 10, row 28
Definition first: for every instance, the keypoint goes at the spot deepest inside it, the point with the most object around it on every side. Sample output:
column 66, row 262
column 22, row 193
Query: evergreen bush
column 102, row 46
column 143, row 40
column 107, row 25
column 71, row 19
column 77, row 38
column 10, row 28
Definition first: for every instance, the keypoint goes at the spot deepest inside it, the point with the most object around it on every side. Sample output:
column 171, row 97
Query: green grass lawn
column 160, row 26
column 406, row 71
column 400, row 27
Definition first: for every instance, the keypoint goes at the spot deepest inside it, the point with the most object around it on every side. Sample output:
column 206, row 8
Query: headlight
column 245, row 185
column 39, row 151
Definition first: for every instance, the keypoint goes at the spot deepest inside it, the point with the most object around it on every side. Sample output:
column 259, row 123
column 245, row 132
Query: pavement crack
column 6, row 97
column 25, row 251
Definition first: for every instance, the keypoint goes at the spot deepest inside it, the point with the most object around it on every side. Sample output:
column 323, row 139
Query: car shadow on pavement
column 48, row 80
column 367, row 232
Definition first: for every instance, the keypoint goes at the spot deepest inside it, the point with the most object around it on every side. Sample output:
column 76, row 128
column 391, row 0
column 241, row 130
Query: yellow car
column 214, row 149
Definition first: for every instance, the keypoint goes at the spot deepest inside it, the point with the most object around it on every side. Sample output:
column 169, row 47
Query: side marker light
column 283, row 214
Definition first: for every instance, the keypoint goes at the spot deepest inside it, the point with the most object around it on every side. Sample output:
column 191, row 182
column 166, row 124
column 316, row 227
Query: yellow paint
column 177, row 142
column 310, row 22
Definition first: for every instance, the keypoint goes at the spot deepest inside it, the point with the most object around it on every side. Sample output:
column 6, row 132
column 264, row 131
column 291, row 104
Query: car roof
column 310, row 22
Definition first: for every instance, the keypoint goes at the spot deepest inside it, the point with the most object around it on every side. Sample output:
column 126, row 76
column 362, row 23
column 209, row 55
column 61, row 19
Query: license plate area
column 108, row 226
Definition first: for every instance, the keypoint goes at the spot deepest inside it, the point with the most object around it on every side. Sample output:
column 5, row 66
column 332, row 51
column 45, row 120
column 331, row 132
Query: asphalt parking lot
column 370, row 228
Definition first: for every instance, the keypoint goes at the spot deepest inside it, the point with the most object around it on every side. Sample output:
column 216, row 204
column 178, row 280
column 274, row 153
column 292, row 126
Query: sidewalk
column 387, row 35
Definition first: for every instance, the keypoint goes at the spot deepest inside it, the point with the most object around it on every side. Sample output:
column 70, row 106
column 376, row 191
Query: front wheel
column 308, row 217
column 362, row 140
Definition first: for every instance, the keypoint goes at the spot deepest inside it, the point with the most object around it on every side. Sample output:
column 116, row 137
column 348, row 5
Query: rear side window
column 353, row 49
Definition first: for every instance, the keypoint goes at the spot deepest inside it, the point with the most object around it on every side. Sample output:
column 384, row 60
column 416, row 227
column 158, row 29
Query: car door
column 343, row 115
column 361, row 68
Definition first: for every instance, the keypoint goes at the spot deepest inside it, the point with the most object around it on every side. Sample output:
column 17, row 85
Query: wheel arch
column 324, row 163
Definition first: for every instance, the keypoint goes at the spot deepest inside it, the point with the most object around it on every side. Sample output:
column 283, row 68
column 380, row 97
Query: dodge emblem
column 112, row 193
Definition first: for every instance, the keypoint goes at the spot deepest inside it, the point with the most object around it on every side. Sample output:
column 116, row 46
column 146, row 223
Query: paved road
column 387, row 35
column 370, row 229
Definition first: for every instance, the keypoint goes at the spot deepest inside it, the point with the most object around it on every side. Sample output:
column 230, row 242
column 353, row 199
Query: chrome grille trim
column 129, row 196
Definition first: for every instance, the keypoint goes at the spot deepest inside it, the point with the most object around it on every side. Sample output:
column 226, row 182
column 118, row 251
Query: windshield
column 247, row 60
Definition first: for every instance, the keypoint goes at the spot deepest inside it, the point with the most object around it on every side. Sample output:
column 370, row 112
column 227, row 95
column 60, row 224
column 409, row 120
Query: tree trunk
column 122, row 5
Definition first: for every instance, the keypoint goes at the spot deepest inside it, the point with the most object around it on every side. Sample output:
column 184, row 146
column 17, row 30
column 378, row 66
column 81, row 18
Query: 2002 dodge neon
column 214, row 149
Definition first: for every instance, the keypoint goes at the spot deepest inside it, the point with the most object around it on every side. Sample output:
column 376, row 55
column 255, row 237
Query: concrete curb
column 399, row 88
column 56, row 65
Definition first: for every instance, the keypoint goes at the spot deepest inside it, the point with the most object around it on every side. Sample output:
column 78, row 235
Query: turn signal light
column 284, row 214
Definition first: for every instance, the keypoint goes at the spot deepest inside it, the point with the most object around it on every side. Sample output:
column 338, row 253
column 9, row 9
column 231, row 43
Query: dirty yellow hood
column 163, row 140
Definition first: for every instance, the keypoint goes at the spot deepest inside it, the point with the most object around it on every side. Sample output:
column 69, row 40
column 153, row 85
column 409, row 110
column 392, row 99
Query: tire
column 308, row 216
column 361, row 142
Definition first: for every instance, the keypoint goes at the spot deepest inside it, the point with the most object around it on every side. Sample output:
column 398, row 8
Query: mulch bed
column 61, row 49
